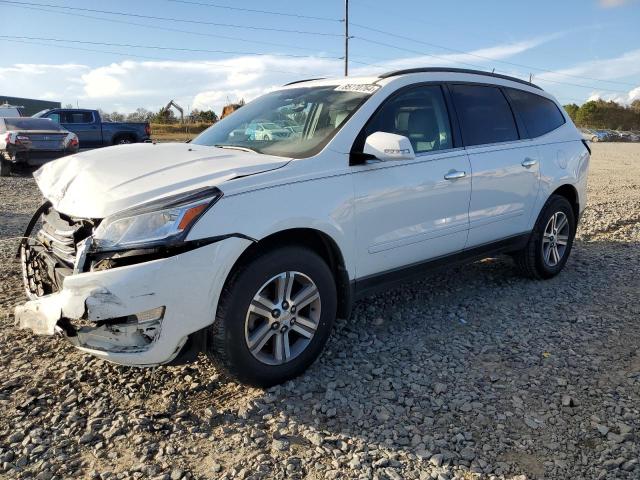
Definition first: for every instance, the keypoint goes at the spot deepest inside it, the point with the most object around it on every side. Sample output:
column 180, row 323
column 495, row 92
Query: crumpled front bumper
column 187, row 285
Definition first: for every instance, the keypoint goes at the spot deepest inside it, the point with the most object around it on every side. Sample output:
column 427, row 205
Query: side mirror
column 388, row 146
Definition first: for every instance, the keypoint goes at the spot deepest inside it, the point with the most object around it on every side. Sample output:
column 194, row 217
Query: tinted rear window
column 29, row 123
column 540, row 115
column 484, row 114
column 77, row 117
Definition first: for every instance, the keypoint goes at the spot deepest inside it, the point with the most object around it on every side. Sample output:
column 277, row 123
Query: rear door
column 84, row 124
column 410, row 211
column 504, row 164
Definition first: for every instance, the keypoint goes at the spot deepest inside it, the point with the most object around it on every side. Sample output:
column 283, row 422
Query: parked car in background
column 32, row 141
column 249, row 249
column 93, row 132
column 589, row 135
column 7, row 110
column 266, row 131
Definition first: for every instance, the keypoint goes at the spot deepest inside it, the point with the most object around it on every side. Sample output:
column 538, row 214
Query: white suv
column 249, row 249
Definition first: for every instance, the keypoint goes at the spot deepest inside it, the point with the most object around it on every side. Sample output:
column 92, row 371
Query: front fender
column 324, row 204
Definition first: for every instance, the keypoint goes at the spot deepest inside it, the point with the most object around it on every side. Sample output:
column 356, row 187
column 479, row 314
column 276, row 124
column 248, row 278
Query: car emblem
column 46, row 138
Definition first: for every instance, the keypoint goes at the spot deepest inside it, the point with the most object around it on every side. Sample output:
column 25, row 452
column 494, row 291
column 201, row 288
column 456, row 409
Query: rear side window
column 540, row 115
column 77, row 117
column 484, row 114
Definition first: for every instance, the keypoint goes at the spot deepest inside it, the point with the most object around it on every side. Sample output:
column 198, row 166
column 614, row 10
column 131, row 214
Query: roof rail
column 395, row 73
column 302, row 81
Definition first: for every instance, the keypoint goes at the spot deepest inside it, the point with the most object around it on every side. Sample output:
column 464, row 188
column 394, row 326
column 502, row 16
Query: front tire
column 274, row 317
column 549, row 246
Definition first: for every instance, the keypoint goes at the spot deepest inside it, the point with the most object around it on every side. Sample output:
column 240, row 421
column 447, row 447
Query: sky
column 206, row 53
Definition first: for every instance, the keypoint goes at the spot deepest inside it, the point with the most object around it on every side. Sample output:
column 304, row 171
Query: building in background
column 30, row 105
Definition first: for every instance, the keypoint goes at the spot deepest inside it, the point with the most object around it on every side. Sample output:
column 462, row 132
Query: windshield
column 294, row 122
column 27, row 123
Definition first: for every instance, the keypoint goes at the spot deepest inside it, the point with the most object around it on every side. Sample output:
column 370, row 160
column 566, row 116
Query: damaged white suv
column 248, row 248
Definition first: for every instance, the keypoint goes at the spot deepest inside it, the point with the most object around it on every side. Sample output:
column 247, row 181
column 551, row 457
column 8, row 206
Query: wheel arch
column 319, row 242
column 569, row 192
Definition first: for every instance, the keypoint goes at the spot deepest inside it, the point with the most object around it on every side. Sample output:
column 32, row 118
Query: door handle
column 528, row 162
column 454, row 175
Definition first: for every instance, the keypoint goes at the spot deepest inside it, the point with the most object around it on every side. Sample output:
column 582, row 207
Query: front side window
column 540, row 115
column 420, row 114
column 295, row 122
column 484, row 114
column 55, row 117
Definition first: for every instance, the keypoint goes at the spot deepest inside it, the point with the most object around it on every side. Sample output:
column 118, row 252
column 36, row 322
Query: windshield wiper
column 236, row 147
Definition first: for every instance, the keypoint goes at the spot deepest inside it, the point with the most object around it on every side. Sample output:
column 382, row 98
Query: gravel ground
column 473, row 373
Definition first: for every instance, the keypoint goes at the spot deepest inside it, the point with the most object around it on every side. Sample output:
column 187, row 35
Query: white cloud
column 617, row 68
column 483, row 57
column 129, row 84
column 612, row 3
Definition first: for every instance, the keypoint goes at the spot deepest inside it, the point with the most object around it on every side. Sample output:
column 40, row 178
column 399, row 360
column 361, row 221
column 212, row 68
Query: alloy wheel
column 555, row 239
column 282, row 318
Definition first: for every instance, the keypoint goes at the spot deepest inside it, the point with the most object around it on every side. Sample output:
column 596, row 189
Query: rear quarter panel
column 564, row 160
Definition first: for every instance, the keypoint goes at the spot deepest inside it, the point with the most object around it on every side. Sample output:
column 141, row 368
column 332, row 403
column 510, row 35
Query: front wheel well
column 571, row 194
column 317, row 241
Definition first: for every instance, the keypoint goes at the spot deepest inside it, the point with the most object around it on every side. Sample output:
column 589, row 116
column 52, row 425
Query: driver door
column 411, row 211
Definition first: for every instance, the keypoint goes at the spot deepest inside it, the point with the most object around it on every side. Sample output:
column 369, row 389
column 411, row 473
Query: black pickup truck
column 93, row 132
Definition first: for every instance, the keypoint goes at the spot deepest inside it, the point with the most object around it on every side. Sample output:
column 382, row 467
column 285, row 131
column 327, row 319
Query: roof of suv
column 396, row 73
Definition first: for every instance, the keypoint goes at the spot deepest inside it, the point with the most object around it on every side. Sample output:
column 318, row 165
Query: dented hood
column 99, row 183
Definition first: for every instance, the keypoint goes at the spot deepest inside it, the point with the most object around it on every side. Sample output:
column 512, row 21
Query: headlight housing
column 163, row 222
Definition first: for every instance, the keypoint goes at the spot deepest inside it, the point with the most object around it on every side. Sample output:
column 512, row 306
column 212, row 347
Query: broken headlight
column 162, row 222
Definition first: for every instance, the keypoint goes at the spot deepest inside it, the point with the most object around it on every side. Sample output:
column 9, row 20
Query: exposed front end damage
column 133, row 308
column 86, row 318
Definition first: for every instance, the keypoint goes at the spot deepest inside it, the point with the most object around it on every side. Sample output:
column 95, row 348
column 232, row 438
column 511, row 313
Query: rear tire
column 5, row 167
column 123, row 140
column 257, row 314
column 550, row 243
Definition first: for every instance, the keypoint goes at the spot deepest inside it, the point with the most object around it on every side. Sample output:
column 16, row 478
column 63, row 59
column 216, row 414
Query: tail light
column 74, row 142
column 147, row 129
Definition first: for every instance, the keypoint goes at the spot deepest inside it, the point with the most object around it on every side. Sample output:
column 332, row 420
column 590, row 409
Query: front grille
column 51, row 255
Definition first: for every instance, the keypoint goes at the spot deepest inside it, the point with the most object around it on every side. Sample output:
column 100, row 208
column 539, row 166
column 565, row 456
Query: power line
column 251, row 10
column 416, row 52
column 169, row 19
column 451, row 60
column 158, row 47
column 163, row 28
column 403, row 37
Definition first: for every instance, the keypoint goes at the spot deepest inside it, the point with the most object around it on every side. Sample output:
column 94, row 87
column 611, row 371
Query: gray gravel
column 473, row 373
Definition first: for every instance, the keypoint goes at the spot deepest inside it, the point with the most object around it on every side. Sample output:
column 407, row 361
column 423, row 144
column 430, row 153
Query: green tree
column 572, row 110
column 164, row 115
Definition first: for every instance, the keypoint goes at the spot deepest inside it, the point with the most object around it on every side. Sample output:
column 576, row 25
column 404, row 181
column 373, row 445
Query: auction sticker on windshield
column 358, row 87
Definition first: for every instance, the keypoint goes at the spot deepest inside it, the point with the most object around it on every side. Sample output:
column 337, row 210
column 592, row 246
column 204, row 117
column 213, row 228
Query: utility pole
column 346, row 38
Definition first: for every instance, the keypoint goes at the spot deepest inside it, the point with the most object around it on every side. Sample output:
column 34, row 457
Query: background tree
column 572, row 110
column 117, row 117
column 164, row 115
column 140, row 115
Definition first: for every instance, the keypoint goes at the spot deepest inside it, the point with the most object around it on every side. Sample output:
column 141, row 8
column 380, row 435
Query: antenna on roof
column 493, row 70
column 530, row 77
